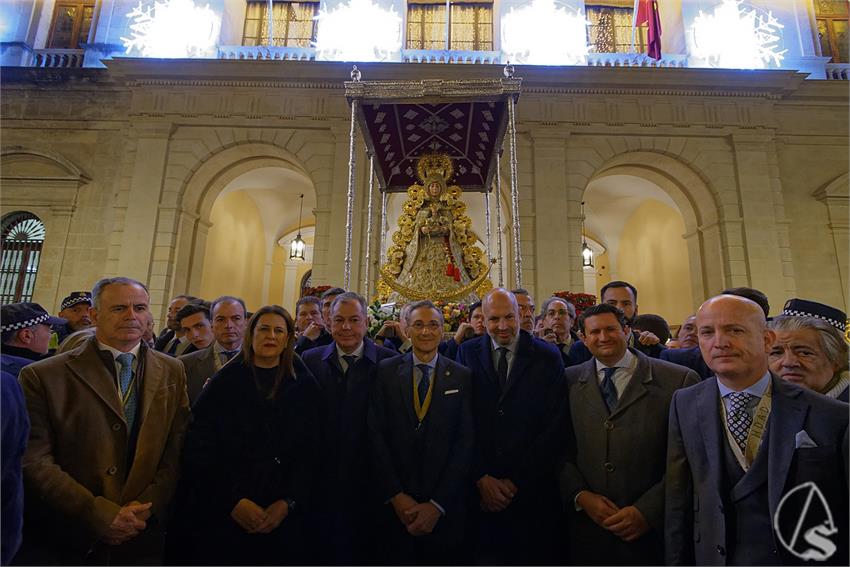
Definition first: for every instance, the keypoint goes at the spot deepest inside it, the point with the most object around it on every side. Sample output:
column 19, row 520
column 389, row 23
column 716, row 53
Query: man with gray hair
column 558, row 318
column 108, row 421
column 421, row 430
column 345, row 370
column 229, row 322
column 810, row 349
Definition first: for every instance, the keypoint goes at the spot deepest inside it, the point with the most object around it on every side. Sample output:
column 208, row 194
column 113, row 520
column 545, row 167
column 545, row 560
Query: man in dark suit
column 171, row 340
column 316, row 335
column 612, row 483
column 689, row 358
column 519, row 408
column 108, row 421
column 228, row 327
column 422, row 440
column 345, row 370
column 742, row 442
column 194, row 320
column 310, row 330
column 623, row 296
column 558, row 318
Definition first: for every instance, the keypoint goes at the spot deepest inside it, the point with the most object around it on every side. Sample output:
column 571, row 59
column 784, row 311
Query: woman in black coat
column 250, row 454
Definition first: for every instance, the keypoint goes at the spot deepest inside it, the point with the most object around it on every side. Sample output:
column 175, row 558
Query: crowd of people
column 524, row 436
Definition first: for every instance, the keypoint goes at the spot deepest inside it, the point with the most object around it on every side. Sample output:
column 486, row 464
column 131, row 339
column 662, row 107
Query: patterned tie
column 738, row 419
column 128, row 392
column 226, row 355
column 424, row 382
column 609, row 391
column 502, row 368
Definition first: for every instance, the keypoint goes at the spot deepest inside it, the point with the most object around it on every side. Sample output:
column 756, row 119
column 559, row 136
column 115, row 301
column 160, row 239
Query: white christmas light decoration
column 544, row 33
column 173, row 28
column 736, row 38
column 358, row 31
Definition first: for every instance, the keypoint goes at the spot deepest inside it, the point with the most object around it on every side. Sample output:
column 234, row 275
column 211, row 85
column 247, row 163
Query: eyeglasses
column 419, row 326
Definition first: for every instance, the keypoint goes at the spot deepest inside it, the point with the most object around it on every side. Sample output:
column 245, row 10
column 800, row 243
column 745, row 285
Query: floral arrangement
column 315, row 291
column 581, row 301
column 453, row 313
column 378, row 314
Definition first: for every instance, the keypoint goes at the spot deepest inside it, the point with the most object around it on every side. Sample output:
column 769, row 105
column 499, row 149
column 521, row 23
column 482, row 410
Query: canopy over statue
column 435, row 140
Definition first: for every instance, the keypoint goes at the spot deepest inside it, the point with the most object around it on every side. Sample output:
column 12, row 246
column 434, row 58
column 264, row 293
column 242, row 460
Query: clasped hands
column 419, row 518
column 496, row 493
column 627, row 523
column 130, row 521
column 256, row 520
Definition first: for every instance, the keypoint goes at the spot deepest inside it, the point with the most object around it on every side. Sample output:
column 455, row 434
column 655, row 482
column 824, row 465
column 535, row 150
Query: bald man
column 520, row 415
column 740, row 442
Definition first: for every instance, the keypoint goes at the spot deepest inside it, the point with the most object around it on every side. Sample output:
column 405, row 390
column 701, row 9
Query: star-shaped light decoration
column 734, row 37
column 172, row 28
column 358, row 30
column 544, row 33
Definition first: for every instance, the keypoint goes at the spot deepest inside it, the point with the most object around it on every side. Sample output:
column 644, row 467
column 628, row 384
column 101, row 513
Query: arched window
column 306, row 282
column 23, row 238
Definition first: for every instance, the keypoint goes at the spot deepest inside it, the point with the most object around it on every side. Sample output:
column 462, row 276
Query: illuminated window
column 470, row 26
column 71, row 24
column 610, row 29
column 292, row 23
column 832, row 17
column 23, row 237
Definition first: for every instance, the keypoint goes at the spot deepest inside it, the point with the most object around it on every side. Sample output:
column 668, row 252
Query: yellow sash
column 756, row 433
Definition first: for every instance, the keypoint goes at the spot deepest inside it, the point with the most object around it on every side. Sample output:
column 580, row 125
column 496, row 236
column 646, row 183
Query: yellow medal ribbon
column 757, row 429
column 422, row 407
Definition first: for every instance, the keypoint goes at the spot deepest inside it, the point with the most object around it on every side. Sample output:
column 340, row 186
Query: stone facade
column 124, row 164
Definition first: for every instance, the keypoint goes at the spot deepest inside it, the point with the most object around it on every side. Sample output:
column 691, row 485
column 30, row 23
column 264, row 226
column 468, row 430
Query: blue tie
column 128, row 392
column 609, row 391
column 422, row 389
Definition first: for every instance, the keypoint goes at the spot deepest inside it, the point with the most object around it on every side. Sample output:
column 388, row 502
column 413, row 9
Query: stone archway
column 188, row 219
column 694, row 200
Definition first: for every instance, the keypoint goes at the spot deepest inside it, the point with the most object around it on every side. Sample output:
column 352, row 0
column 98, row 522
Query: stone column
column 290, row 286
column 760, row 234
column 838, row 207
column 145, row 190
column 552, row 223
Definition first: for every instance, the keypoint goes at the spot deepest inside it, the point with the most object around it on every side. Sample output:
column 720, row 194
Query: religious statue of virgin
column 434, row 253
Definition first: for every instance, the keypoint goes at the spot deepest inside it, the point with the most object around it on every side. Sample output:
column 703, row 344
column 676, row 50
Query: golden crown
column 431, row 165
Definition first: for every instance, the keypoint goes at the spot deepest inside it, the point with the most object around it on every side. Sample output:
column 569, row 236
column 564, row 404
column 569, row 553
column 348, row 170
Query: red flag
column 647, row 13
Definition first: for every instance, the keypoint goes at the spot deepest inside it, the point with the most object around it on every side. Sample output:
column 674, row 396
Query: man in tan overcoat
column 108, row 420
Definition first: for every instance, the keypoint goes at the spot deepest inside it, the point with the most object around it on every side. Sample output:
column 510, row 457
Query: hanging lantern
column 298, row 246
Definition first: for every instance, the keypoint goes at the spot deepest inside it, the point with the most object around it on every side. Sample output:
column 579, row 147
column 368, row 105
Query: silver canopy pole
column 369, row 227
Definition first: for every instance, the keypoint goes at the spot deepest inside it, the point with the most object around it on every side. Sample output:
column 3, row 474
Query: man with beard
column 623, row 296
column 75, row 310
